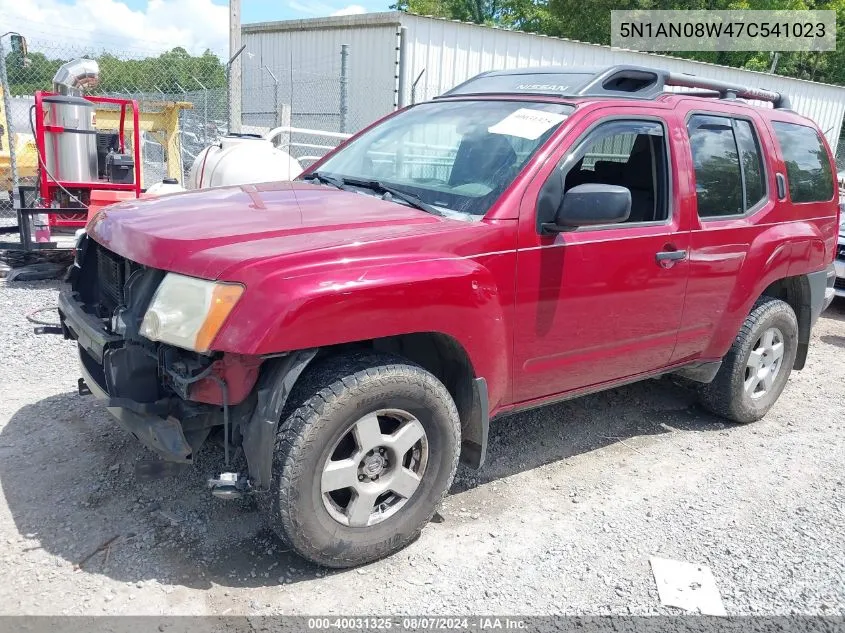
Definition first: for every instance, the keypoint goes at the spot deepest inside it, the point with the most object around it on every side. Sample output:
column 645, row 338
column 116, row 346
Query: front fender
column 456, row 296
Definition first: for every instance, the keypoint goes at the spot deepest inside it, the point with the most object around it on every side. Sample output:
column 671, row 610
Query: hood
column 204, row 233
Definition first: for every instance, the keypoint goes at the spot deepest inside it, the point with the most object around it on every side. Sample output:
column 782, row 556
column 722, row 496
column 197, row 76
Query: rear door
column 732, row 190
column 602, row 303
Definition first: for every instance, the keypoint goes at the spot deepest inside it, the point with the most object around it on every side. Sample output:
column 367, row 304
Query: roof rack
column 637, row 82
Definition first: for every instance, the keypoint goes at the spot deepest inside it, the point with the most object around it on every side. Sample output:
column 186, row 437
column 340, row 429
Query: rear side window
column 807, row 164
column 729, row 175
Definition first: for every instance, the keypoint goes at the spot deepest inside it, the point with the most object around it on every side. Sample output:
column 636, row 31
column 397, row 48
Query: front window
column 456, row 156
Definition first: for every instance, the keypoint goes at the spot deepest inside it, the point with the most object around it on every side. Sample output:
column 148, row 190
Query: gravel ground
column 563, row 520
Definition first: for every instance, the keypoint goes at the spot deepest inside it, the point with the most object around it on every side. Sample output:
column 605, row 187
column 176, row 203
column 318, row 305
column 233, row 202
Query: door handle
column 671, row 256
column 667, row 259
column 781, row 183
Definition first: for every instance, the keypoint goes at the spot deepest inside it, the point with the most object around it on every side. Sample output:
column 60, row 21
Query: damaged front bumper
column 159, row 425
column 163, row 436
column 170, row 398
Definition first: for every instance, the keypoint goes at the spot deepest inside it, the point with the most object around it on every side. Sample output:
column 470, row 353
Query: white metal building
column 394, row 58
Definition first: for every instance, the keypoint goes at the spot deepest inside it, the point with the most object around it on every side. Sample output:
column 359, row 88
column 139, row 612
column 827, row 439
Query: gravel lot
column 563, row 520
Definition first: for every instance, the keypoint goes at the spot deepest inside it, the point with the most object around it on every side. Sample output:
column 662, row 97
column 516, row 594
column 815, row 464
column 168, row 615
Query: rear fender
column 781, row 251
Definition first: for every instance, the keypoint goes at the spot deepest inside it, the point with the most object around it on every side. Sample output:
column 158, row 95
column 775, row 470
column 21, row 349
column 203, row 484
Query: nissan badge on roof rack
column 632, row 82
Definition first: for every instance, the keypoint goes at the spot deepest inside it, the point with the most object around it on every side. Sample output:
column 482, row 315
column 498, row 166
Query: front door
column 601, row 303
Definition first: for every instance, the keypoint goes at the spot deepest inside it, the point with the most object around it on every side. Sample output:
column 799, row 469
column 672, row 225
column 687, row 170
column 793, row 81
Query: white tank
column 168, row 185
column 240, row 160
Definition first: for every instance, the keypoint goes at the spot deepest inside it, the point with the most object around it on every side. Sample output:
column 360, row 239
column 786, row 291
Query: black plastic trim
column 259, row 434
column 703, row 372
column 477, row 428
column 818, row 286
column 83, row 327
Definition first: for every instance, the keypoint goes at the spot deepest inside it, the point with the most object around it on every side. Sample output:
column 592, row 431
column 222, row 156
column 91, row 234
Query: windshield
column 456, row 156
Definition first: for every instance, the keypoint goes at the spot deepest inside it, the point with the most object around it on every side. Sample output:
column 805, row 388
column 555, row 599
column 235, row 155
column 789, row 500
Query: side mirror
column 589, row 205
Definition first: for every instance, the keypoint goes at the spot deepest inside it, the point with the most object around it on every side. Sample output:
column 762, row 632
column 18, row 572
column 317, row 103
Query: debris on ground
column 687, row 586
column 104, row 546
column 37, row 272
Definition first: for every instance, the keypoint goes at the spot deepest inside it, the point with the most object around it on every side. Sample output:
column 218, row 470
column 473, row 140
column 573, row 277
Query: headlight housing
column 188, row 312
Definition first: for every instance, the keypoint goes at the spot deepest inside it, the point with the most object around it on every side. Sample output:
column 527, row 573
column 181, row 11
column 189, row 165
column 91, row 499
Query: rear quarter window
column 807, row 165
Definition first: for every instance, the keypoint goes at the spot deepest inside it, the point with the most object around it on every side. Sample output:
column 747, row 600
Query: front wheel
column 367, row 451
column 755, row 370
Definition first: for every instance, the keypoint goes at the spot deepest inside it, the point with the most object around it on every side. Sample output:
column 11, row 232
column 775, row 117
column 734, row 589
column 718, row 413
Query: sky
column 153, row 26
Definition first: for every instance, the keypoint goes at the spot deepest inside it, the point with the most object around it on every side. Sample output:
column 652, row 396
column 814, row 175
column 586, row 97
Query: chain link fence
column 183, row 101
column 181, row 98
column 333, row 91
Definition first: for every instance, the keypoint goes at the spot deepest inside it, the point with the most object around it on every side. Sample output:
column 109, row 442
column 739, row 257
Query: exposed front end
column 135, row 327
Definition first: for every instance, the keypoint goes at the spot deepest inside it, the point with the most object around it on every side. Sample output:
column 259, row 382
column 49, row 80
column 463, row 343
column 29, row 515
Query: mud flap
column 477, row 427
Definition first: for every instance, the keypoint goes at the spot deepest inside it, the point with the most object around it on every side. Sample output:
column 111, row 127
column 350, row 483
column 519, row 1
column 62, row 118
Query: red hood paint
column 205, row 233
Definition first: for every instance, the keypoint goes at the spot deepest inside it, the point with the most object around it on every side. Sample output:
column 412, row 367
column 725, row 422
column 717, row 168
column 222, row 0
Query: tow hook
column 229, row 486
column 83, row 388
column 47, row 329
column 44, row 327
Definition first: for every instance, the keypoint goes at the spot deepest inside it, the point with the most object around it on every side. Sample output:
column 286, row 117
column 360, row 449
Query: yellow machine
column 160, row 119
column 25, row 156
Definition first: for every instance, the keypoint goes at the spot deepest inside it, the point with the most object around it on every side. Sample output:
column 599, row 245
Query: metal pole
column 414, row 87
column 204, row 109
column 234, row 74
column 13, row 163
column 344, row 87
column 229, row 113
column 774, row 63
column 403, row 67
column 275, row 96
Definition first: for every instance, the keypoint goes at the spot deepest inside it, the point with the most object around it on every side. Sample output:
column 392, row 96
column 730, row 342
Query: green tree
column 590, row 22
column 169, row 72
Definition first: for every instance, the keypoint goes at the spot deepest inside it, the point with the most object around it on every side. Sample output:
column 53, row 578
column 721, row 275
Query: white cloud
column 321, row 9
column 352, row 9
column 51, row 25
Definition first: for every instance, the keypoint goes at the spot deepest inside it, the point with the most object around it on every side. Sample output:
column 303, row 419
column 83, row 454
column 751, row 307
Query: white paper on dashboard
column 527, row 123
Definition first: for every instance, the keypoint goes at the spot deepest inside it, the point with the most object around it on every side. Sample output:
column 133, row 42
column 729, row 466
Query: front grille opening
column 110, row 277
column 112, row 273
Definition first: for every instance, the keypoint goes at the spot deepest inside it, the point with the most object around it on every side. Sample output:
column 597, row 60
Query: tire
column 321, row 421
column 732, row 393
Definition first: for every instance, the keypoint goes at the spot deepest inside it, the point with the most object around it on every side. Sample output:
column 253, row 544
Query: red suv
column 530, row 236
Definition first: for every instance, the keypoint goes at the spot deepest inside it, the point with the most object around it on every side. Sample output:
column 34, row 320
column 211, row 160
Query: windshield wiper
column 325, row 179
column 405, row 196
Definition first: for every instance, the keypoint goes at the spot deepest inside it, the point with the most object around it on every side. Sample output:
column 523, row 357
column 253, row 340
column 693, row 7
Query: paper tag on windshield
column 527, row 123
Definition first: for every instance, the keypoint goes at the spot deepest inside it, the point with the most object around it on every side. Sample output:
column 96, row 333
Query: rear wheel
column 367, row 451
column 755, row 370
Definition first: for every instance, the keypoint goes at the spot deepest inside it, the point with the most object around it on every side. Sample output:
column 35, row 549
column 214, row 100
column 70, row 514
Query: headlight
column 188, row 312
